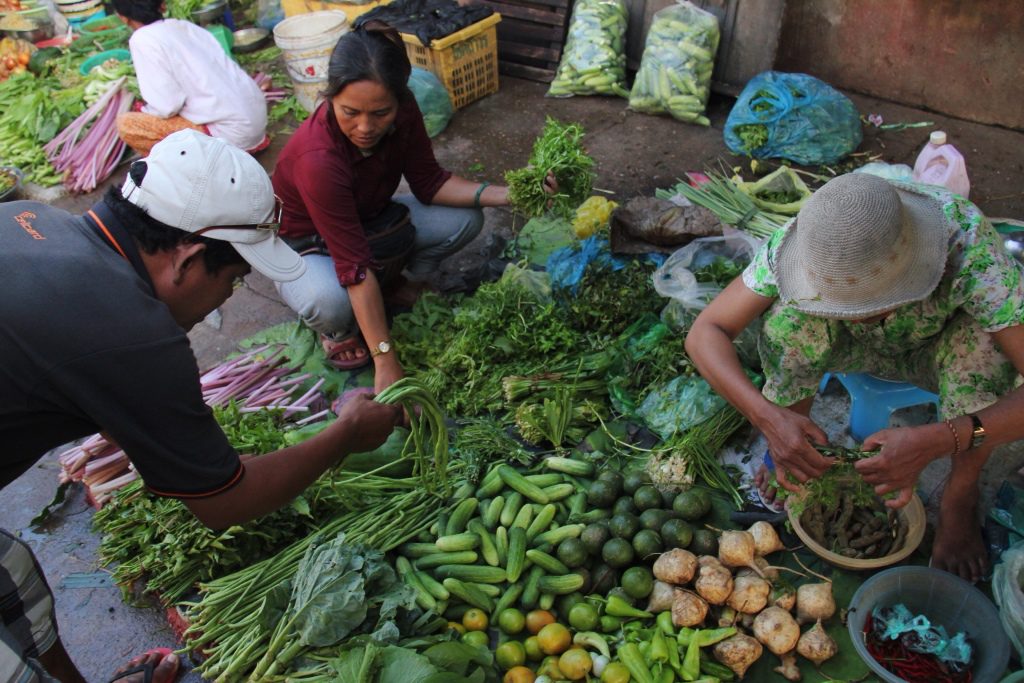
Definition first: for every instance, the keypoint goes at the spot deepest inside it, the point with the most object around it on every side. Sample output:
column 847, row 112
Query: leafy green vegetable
column 338, row 589
column 559, row 151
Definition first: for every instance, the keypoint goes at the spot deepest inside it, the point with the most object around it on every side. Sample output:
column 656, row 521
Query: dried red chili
column 913, row 667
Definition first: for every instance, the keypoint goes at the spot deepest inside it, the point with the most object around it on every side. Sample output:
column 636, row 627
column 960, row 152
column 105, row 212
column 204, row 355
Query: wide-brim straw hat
column 862, row 246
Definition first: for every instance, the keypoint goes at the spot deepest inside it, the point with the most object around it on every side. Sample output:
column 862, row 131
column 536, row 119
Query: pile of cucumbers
column 523, row 539
column 594, row 59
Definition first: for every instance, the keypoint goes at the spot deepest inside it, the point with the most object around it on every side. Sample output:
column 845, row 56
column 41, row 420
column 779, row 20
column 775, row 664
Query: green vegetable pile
column 559, row 151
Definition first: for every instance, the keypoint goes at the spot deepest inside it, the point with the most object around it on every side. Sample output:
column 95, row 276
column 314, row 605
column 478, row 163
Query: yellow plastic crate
column 466, row 61
column 294, row 7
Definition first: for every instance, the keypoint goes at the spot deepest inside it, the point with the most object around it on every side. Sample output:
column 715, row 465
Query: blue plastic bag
column 793, row 116
column 432, row 98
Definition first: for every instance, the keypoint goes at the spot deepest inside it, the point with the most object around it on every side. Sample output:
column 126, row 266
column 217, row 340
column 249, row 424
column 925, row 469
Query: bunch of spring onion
column 725, row 199
column 89, row 149
column 230, row 624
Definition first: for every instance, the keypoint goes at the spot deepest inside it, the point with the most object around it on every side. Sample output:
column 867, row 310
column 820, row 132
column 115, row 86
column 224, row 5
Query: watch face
column 384, row 346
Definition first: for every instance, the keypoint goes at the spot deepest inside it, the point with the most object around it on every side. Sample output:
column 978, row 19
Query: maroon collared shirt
column 328, row 187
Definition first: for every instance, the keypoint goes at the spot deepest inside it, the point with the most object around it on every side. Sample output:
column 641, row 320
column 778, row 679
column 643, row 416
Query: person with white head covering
column 902, row 281
column 94, row 313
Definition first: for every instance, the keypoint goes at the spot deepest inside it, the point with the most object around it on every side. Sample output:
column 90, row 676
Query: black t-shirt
column 86, row 346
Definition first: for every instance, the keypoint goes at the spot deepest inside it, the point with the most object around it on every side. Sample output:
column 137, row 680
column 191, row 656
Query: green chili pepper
column 664, row 622
column 618, row 607
column 705, row 637
column 691, row 662
column 719, row 671
column 632, row 657
column 659, row 648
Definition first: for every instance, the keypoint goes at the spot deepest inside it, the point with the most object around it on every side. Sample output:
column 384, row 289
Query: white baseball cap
column 202, row 184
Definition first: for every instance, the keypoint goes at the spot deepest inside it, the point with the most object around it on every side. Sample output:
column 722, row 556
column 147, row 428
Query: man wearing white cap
column 94, row 311
column 899, row 280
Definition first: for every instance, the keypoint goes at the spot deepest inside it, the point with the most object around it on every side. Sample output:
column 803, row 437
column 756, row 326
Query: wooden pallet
column 531, row 36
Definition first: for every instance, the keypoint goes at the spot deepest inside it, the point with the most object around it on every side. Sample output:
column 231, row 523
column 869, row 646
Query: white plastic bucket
column 306, row 41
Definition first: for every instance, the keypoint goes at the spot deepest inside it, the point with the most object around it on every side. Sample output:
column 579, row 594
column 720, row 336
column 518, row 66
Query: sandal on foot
column 352, row 343
column 149, row 668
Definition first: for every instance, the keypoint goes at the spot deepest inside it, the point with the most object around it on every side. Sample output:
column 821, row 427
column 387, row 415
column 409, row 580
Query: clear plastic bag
column 793, row 116
column 594, row 59
column 675, row 70
column 432, row 98
column 1007, row 580
column 269, row 14
column 675, row 277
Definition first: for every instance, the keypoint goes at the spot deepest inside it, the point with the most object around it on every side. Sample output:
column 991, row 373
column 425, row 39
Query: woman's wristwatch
column 381, row 348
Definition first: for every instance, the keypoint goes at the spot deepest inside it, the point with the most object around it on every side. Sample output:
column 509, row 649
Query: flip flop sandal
column 772, row 505
column 148, row 668
column 353, row 342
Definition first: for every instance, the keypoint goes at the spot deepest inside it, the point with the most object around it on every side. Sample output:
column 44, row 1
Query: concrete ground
column 635, row 154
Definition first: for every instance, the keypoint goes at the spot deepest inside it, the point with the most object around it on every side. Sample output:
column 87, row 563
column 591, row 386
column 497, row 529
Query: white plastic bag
column 675, row 278
column 1007, row 579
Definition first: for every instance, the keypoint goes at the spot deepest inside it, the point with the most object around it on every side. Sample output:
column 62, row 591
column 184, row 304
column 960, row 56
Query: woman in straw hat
column 902, row 281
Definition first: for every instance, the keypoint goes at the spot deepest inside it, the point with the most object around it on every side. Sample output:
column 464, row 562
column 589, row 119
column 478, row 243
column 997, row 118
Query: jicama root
column 661, row 597
column 766, row 539
column 749, row 594
column 688, row 609
column 788, row 668
column 777, row 630
column 816, row 645
column 814, row 601
column 714, row 581
column 677, row 566
column 737, row 549
column 738, row 652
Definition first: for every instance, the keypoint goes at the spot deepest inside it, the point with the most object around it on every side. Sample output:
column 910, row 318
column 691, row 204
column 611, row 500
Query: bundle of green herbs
column 559, row 151
column 608, row 300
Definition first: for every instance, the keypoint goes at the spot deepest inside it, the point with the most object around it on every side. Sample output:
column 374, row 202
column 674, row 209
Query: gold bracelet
column 956, row 438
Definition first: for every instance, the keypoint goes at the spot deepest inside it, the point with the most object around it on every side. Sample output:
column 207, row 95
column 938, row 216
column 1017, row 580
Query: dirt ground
column 635, row 154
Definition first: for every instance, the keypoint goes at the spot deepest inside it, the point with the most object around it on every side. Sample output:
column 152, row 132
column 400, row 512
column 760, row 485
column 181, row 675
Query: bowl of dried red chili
column 945, row 600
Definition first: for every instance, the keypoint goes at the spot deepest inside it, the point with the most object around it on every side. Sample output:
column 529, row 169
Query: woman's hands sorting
column 790, row 437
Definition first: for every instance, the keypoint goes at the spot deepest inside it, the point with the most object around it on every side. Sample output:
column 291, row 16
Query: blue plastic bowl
column 11, row 192
column 100, row 57
column 945, row 599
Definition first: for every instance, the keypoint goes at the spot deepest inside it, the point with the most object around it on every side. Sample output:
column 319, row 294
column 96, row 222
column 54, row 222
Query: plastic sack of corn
column 675, row 70
column 592, row 216
column 594, row 59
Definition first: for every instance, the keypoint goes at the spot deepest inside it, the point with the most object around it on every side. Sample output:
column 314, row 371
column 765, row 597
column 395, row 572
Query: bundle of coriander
column 725, row 199
column 558, row 151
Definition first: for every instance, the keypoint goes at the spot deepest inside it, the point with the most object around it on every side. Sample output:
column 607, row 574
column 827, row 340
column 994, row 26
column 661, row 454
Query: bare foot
column 959, row 548
column 762, row 481
column 164, row 666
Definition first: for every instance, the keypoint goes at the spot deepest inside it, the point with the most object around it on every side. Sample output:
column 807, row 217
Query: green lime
column 509, row 654
column 624, row 525
column 617, row 553
column 692, row 504
column 594, row 537
column 625, row 504
column 638, row 582
column 572, row 552
column 705, row 542
column 511, row 621
column 654, row 518
column 647, row 545
column 602, row 494
column 647, row 497
column 603, row 578
column 584, row 617
column 676, row 533
column 533, row 651
column 614, row 478
column 564, row 603
column 610, row 624
column 634, row 480
column 476, row 638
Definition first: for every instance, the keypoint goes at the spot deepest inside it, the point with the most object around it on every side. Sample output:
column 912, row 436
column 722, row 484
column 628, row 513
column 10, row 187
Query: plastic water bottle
column 940, row 163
